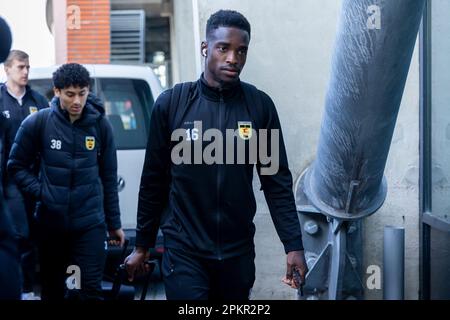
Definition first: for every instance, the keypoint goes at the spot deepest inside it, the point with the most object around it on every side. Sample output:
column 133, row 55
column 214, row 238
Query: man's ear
column 57, row 92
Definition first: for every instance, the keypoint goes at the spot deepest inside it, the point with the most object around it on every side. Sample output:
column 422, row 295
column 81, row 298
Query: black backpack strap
column 41, row 120
column 42, row 117
column 255, row 105
column 179, row 103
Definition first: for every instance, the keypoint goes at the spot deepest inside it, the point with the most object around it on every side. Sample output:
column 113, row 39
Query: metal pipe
column 394, row 263
column 373, row 51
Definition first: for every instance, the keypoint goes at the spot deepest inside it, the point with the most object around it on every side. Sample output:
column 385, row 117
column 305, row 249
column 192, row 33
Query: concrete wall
column 289, row 58
column 184, row 48
column 401, row 207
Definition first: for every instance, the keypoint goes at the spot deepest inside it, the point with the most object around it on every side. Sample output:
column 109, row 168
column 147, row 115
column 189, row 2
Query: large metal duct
column 373, row 51
column 374, row 46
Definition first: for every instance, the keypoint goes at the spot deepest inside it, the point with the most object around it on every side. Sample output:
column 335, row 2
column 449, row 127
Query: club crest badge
column 90, row 143
column 245, row 130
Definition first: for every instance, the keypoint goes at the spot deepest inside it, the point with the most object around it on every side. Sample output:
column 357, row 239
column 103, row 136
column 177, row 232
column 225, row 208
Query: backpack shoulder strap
column 179, row 102
column 41, row 120
column 255, row 105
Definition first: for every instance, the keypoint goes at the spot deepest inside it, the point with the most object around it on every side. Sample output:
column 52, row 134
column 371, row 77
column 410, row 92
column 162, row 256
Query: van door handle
column 120, row 184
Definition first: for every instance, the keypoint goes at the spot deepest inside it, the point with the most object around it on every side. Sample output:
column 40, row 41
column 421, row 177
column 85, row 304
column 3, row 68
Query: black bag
column 117, row 286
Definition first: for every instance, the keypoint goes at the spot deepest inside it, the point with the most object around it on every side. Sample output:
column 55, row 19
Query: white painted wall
column 27, row 21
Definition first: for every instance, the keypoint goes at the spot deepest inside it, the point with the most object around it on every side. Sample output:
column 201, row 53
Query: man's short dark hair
column 227, row 18
column 71, row 74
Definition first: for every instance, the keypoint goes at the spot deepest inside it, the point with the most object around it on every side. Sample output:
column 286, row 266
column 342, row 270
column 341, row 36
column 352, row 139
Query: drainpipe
column 394, row 263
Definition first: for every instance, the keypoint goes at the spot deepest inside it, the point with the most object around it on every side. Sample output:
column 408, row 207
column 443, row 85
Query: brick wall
column 88, row 31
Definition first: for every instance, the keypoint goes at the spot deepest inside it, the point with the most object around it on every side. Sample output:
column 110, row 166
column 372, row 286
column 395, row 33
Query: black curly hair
column 71, row 74
column 227, row 18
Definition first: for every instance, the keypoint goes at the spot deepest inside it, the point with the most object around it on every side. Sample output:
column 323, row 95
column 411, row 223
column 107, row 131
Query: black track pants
column 187, row 277
column 57, row 251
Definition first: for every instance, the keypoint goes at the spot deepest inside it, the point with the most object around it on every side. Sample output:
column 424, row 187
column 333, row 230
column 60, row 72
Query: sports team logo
column 6, row 114
column 245, row 130
column 90, row 143
column 33, row 109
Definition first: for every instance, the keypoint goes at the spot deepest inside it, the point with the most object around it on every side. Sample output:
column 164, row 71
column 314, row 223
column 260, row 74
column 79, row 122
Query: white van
column 128, row 93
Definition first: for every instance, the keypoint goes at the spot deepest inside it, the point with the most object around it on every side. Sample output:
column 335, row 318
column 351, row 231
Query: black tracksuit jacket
column 210, row 207
column 21, row 207
column 14, row 115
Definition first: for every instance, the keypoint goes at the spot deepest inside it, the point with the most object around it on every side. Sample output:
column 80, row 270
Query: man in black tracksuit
column 76, row 187
column 17, row 101
column 208, row 228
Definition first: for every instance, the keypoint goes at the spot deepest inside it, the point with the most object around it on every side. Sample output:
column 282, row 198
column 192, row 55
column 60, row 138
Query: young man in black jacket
column 208, row 228
column 17, row 101
column 76, row 187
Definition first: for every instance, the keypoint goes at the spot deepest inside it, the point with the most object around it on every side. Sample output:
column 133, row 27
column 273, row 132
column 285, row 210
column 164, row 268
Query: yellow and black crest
column 245, row 130
column 90, row 143
column 33, row 109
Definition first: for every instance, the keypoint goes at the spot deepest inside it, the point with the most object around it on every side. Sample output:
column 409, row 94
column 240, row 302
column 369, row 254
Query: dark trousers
column 84, row 249
column 187, row 277
column 21, row 210
column 9, row 259
column 28, row 261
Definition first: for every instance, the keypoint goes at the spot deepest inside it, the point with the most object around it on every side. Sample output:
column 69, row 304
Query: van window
column 128, row 104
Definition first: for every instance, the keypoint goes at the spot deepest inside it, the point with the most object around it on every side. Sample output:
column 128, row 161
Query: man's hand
column 117, row 237
column 295, row 263
column 135, row 263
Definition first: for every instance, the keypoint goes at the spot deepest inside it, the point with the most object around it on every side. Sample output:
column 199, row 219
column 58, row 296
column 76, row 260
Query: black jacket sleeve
column 155, row 180
column 23, row 155
column 276, row 181
column 108, row 176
